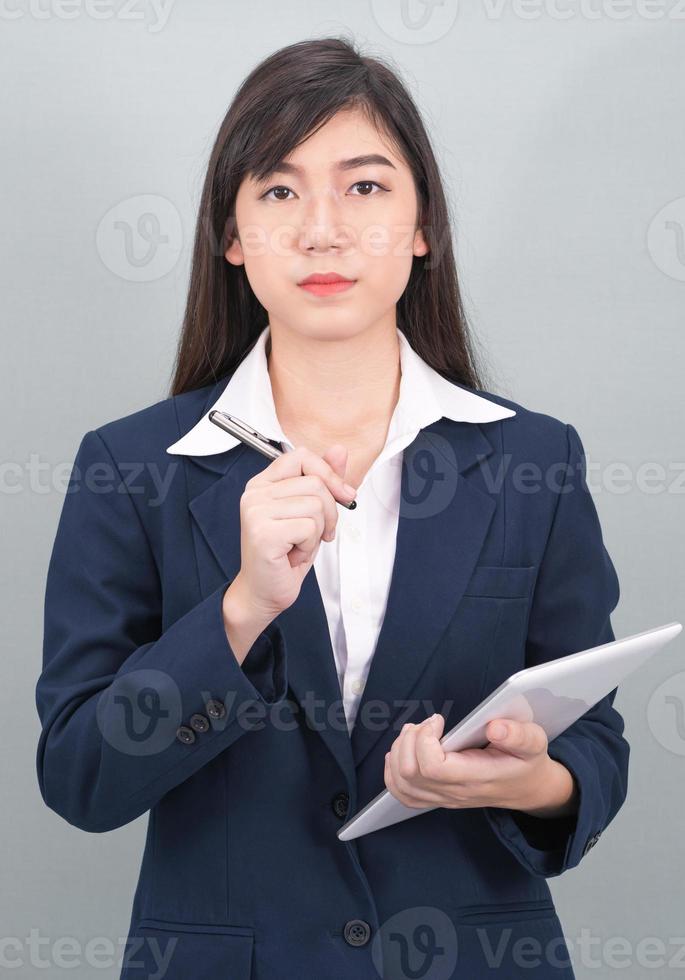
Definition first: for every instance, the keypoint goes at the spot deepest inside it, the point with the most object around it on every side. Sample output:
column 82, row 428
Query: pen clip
column 247, row 428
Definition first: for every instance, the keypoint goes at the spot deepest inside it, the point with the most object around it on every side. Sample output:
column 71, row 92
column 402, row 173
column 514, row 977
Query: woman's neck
column 336, row 391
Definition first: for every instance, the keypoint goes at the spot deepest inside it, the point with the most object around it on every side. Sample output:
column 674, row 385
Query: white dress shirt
column 352, row 571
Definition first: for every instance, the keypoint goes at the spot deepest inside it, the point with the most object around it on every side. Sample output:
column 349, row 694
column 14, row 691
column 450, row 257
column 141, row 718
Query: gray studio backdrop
column 558, row 126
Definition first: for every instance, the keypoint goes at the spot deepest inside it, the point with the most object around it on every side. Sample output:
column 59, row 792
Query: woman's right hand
column 285, row 512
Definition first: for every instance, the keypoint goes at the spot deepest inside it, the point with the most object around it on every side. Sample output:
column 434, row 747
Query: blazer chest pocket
column 501, row 581
column 180, row 950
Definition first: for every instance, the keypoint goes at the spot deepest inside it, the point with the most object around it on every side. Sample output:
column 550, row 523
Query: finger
column 408, row 751
column 414, row 798
column 430, row 756
column 413, row 791
column 336, row 455
column 397, row 750
column 407, row 767
column 523, row 739
column 402, row 760
column 393, row 756
column 301, row 509
column 302, row 538
column 301, row 488
column 303, row 462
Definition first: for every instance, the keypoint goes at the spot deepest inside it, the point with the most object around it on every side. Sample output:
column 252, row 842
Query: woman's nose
column 322, row 222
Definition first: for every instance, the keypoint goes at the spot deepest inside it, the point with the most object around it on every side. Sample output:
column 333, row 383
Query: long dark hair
column 288, row 95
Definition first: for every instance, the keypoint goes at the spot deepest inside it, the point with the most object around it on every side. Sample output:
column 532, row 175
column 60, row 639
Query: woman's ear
column 234, row 252
column 420, row 243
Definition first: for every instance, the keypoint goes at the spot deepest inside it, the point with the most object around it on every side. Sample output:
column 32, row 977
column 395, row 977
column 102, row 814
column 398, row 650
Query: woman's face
column 319, row 213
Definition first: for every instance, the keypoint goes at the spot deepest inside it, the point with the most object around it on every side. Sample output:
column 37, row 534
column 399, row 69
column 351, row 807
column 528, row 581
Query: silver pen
column 267, row 447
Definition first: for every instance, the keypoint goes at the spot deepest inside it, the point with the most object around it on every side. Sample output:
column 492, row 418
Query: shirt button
column 356, row 604
column 354, row 533
column 357, row 687
column 357, row 932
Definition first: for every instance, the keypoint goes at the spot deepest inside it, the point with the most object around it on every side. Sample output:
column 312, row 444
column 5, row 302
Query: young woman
column 196, row 664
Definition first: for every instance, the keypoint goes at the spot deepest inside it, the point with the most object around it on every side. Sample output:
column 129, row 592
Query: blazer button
column 215, row 708
column 185, row 735
column 199, row 723
column 340, row 803
column 357, row 932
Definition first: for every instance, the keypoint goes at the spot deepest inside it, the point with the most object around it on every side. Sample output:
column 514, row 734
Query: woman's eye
column 366, row 183
column 278, row 188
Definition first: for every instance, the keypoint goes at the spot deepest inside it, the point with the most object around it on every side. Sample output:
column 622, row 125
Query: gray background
column 561, row 142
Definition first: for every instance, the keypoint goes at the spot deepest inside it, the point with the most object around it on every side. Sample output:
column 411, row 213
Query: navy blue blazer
column 248, row 772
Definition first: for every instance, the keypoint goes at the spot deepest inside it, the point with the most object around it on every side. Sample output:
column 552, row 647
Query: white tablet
column 553, row 694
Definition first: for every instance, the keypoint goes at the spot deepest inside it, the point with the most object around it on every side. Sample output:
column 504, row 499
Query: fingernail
column 499, row 731
column 348, row 489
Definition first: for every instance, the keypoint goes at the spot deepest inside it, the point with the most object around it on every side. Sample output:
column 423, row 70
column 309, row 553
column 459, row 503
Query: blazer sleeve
column 576, row 590
column 114, row 688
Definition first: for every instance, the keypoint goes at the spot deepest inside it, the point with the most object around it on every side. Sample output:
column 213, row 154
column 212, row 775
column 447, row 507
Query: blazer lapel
column 216, row 485
column 443, row 520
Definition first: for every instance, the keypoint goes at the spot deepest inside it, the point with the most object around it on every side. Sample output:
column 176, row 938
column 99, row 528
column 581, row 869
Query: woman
column 194, row 665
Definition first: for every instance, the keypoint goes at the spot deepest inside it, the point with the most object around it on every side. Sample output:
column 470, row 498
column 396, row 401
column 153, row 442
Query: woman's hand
column 513, row 771
column 285, row 511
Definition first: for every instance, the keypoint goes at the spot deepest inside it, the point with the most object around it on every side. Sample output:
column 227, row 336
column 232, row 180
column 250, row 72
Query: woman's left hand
column 513, row 771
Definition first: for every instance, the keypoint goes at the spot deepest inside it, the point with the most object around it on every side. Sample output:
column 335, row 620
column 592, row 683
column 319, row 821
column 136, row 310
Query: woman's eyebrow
column 365, row 160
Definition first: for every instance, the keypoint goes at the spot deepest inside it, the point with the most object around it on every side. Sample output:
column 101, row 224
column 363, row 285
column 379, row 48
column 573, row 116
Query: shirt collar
column 424, row 397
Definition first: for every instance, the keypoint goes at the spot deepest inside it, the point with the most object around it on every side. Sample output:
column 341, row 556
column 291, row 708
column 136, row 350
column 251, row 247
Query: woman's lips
column 326, row 288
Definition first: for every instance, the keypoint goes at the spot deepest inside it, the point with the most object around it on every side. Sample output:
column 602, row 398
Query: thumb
column 336, row 457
